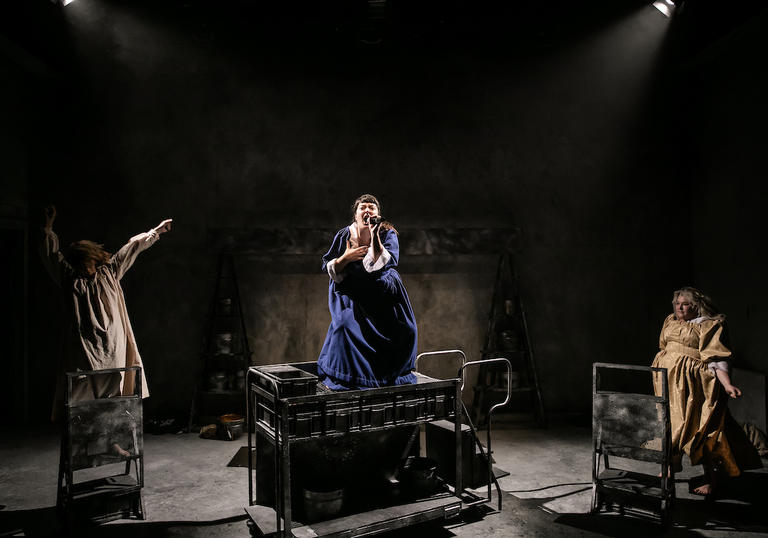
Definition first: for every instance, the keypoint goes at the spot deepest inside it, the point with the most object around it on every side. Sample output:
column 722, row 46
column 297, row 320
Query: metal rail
column 491, row 476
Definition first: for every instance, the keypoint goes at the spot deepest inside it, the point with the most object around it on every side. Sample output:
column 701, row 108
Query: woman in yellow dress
column 694, row 351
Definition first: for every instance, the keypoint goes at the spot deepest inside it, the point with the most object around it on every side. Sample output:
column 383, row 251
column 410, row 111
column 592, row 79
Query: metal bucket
column 419, row 476
column 320, row 505
column 233, row 426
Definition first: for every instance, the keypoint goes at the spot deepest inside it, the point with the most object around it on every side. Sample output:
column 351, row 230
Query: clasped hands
column 355, row 252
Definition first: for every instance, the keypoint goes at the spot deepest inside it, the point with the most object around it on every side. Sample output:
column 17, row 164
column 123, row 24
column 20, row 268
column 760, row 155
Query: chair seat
column 110, row 485
column 634, row 452
column 630, row 482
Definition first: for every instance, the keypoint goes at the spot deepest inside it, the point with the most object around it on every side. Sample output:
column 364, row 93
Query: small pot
column 240, row 380
column 223, row 343
column 218, row 381
column 509, row 340
column 225, row 306
column 419, row 476
column 321, row 505
column 233, row 426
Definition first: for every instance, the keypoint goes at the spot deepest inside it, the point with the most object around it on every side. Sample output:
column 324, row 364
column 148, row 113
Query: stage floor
column 193, row 488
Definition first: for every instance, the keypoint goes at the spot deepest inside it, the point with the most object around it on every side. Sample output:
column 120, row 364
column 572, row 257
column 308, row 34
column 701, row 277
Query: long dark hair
column 81, row 251
column 371, row 199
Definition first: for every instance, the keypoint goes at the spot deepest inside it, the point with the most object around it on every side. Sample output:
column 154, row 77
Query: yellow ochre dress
column 701, row 424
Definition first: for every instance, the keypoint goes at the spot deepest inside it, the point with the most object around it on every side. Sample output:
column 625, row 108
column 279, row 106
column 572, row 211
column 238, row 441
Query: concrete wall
column 727, row 114
column 216, row 122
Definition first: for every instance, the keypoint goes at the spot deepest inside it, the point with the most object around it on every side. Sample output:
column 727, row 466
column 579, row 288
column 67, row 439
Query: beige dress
column 99, row 335
column 701, row 424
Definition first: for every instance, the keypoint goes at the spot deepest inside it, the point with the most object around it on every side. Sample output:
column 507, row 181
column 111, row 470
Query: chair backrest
column 103, row 427
column 626, row 422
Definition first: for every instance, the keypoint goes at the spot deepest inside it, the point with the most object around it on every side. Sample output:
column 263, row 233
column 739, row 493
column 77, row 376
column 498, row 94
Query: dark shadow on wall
column 721, row 101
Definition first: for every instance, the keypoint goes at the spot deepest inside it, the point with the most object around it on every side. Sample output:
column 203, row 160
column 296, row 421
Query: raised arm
column 53, row 260
column 384, row 253
column 124, row 258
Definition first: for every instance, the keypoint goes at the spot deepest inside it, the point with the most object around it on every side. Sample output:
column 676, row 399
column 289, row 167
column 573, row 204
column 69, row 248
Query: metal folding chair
column 101, row 428
column 631, row 426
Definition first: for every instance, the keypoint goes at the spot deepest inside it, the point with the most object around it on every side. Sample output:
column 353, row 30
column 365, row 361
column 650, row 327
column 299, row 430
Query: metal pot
column 419, row 476
column 320, row 505
column 233, row 425
column 223, row 342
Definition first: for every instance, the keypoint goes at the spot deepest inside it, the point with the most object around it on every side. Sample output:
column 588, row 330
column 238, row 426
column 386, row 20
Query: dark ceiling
column 309, row 27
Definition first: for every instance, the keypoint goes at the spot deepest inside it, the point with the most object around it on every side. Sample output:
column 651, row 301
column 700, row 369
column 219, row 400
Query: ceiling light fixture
column 667, row 7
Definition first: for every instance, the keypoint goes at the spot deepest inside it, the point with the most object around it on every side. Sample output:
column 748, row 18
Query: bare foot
column 120, row 451
column 704, row 489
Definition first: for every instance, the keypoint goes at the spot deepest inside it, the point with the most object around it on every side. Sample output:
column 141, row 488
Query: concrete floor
column 191, row 491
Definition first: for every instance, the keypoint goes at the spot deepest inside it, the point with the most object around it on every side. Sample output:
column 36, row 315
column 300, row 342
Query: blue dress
column 371, row 341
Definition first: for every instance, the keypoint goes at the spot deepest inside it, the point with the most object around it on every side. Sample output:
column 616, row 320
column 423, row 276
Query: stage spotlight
column 667, row 7
column 62, row 3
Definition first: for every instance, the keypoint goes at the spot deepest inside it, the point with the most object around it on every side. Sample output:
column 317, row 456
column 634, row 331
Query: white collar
column 354, row 236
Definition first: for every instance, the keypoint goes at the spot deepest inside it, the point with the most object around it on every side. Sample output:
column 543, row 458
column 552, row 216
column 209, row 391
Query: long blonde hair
column 702, row 302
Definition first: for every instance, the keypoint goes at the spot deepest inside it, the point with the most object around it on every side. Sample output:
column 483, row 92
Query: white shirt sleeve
column 383, row 260
column 719, row 365
column 331, row 268
column 124, row 258
column 53, row 260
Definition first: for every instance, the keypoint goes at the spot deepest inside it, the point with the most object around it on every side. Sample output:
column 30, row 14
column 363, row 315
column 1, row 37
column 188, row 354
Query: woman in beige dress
column 697, row 359
column 99, row 333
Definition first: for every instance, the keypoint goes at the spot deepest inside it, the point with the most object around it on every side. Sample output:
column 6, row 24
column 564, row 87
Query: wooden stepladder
column 507, row 337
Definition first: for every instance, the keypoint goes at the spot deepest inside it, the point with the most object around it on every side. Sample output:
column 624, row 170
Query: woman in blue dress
column 372, row 338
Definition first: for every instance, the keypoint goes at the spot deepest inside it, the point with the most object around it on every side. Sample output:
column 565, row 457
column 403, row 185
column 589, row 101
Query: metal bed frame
column 288, row 421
